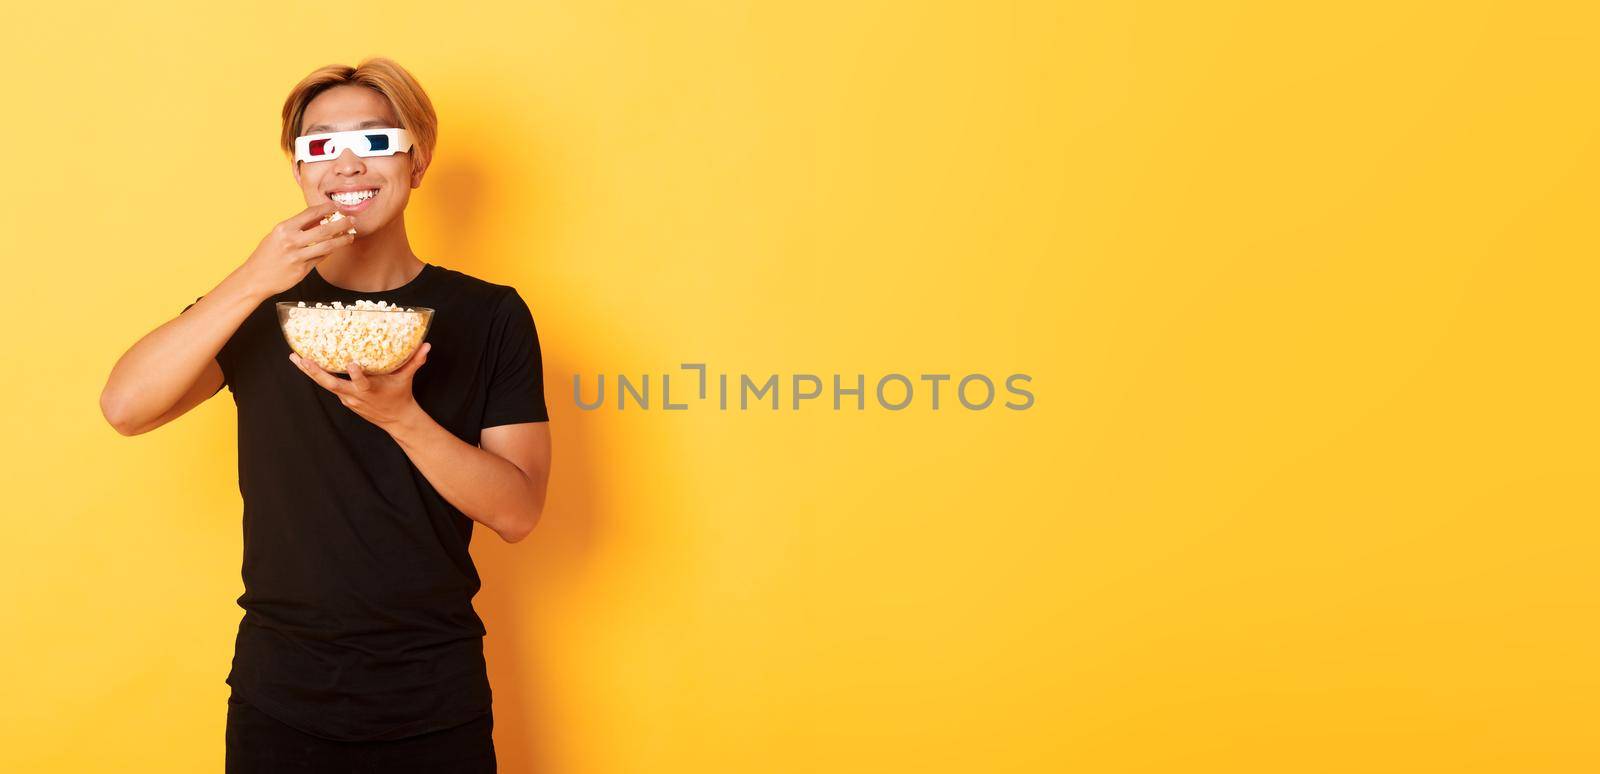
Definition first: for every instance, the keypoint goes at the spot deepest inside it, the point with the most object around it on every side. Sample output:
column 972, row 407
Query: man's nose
column 348, row 161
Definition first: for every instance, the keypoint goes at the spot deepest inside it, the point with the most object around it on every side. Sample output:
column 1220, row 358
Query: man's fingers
column 335, row 231
column 312, row 214
column 332, row 228
column 323, row 248
column 358, row 377
column 311, row 369
column 417, row 358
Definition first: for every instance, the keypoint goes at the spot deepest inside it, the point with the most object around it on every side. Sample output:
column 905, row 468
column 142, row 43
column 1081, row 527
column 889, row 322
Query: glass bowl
column 378, row 340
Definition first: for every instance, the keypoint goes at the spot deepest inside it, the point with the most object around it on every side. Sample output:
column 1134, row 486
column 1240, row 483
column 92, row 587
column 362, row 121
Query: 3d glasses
column 364, row 142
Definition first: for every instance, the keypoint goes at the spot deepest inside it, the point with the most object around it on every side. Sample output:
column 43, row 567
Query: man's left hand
column 382, row 399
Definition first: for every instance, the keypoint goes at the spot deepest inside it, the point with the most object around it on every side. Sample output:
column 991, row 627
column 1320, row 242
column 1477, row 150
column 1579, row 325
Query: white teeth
column 353, row 197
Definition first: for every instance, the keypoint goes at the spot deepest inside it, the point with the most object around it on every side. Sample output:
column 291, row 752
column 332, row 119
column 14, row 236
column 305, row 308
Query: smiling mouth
column 353, row 198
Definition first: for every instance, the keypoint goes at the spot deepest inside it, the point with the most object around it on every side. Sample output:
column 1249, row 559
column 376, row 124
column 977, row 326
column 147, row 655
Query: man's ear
column 419, row 167
column 294, row 169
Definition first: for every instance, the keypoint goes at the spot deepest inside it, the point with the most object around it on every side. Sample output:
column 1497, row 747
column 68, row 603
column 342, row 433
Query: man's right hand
column 287, row 253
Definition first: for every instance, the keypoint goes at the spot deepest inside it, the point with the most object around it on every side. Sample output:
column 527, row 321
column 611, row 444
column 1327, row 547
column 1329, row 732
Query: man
column 359, row 648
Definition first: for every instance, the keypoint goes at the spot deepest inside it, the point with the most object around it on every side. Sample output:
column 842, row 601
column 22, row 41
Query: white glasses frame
column 358, row 140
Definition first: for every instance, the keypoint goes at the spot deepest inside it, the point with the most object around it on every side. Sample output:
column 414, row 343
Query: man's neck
column 375, row 262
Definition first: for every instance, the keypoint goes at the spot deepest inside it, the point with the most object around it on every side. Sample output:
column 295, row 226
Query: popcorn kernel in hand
column 338, row 216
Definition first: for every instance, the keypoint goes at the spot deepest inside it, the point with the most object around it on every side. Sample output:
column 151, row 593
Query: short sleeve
column 516, row 381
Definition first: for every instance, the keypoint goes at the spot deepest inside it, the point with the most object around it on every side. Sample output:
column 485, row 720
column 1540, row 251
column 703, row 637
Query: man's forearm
column 483, row 485
column 157, row 370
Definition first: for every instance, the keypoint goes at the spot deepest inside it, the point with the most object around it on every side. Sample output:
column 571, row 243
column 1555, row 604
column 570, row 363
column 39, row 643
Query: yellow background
column 1306, row 293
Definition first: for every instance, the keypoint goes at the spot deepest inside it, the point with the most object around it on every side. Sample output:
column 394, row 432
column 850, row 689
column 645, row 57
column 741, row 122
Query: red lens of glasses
column 319, row 147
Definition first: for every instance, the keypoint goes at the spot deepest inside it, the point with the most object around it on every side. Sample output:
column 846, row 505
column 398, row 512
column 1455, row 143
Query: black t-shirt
column 358, row 619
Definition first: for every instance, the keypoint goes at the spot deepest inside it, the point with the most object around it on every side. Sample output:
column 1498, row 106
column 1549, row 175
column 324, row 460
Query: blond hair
column 380, row 74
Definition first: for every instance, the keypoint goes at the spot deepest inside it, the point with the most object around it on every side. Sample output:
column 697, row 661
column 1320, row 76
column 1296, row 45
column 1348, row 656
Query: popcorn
column 377, row 335
column 338, row 216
